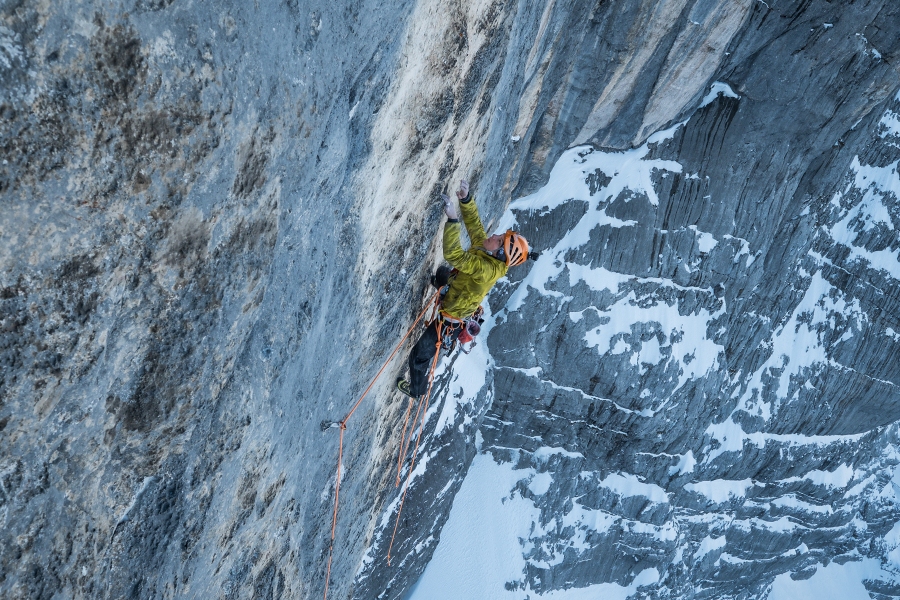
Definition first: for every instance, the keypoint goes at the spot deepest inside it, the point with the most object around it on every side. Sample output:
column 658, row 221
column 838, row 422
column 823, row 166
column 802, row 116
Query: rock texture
column 217, row 220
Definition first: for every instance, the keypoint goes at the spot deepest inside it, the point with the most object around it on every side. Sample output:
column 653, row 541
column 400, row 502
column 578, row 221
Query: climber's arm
column 467, row 262
column 472, row 220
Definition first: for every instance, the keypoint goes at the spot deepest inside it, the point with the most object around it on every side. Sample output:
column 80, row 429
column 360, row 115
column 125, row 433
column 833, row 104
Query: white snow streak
column 629, row 171
column 628, row 485
column 799, row 346
column 721, row 490
column 731, row 438
column 718, row 89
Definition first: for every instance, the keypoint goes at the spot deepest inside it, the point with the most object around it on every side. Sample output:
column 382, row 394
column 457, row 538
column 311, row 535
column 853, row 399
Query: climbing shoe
column 403, row 386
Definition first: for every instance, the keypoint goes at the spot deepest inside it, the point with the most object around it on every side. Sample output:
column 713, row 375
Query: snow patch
column 481, row 546
column 780, row 525
column 890, row 121
column 709, row 544
column 705, row 241
column 720, row 491
column 839, row 478
column 744, row 251
column 693, row 350
column 540, row 483
column 799, row 347
column 546, row 452
column 834, row 581
column 628, row 485
column 685, row 464
column 586, row 520
column 604, row 591
column 718, row 89
column 795, row 504
column 665, row 134
column 598, row 279
column 877, row 183
column 892, row 545
column 731, row 438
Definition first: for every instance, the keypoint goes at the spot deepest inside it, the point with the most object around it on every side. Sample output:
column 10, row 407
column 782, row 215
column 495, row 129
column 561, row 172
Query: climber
column 476, row 271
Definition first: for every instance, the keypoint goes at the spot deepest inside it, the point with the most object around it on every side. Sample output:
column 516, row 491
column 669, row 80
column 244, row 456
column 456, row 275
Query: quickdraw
column 461, row 330
column 472, row 328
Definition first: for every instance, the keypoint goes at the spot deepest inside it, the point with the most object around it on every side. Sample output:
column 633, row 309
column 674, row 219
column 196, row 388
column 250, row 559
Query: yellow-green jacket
column 478, row 270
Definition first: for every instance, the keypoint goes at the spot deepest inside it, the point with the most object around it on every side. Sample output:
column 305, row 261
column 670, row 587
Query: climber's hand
column 449, row 207
column 463, row 192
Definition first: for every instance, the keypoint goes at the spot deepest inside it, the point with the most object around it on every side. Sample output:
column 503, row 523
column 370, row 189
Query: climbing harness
column 461, row 330
column 448, row 330
column 342, row 426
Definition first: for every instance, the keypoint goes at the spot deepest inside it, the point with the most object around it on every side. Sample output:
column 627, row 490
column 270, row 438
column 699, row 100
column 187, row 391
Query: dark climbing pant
column 420, row 360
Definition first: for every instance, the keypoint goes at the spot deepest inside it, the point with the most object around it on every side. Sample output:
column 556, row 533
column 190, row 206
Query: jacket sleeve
column 473, row 222
column 467, row 262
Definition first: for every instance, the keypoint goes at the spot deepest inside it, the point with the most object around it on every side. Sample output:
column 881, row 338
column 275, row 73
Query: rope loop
column 433, row 302
column 412, row 464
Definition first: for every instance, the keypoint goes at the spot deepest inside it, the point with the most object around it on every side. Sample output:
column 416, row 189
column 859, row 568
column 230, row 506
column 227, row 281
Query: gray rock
column 218, row 220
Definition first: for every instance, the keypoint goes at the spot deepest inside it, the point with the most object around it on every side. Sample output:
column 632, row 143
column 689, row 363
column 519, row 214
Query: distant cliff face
column 217, row 221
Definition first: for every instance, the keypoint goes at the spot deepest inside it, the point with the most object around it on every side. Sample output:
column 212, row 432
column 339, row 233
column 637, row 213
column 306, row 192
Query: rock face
column 217, row 222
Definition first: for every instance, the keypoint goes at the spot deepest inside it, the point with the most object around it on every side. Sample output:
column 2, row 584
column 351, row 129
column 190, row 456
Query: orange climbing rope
column 342, row 424
column 404, row 441
column 437, row 353
column 402, row 453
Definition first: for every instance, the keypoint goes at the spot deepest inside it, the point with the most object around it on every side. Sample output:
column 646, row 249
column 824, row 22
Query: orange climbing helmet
column 515, row 248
